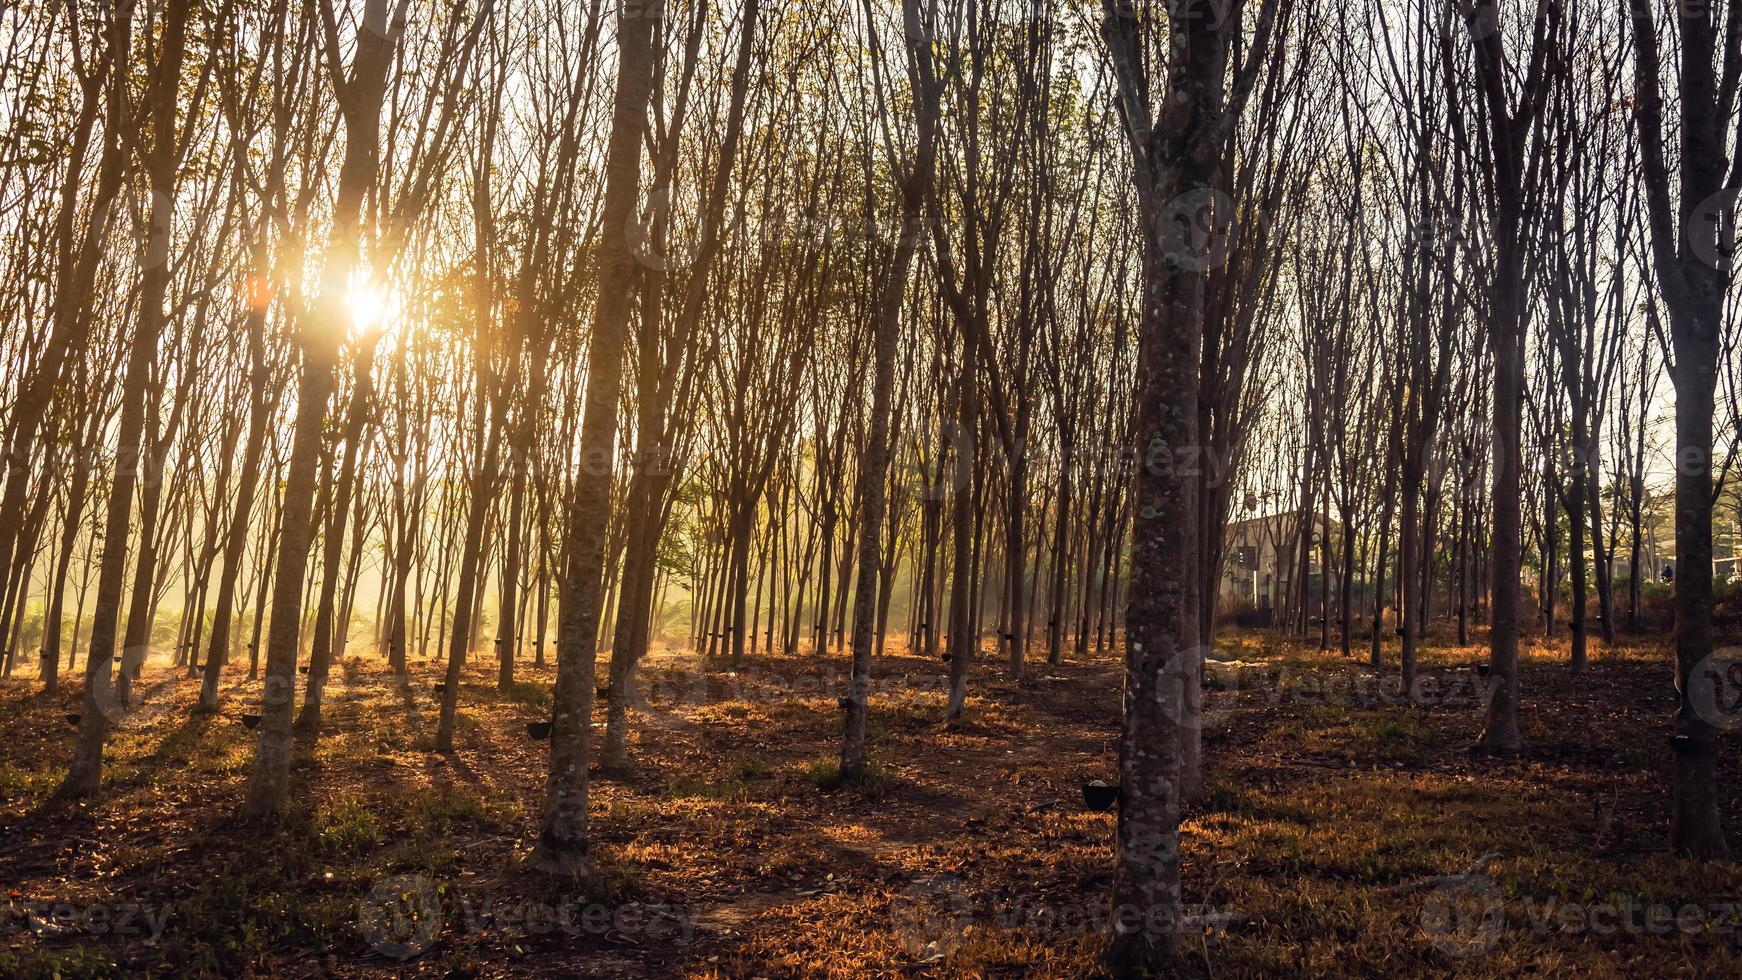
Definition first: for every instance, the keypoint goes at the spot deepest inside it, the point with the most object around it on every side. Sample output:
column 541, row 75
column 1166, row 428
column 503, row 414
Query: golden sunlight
column 373, row 309
column 828, row 488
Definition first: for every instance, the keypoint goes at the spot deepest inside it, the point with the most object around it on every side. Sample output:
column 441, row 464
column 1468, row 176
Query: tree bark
column 323, row 330
column 562, row 847
column 1177, row 155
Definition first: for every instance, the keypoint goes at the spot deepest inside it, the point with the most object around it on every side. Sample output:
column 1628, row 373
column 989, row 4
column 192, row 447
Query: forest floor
column 1341, row 832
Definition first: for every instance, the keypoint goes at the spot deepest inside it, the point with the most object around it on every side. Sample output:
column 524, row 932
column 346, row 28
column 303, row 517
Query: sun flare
column 373, row 309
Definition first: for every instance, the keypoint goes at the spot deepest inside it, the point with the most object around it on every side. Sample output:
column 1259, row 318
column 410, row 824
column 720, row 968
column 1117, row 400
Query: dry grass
column 1332, row 819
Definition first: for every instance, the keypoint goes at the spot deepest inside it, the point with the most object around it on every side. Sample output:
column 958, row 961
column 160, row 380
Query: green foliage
column 533, row 693
column 346, row 826
column 74, row 963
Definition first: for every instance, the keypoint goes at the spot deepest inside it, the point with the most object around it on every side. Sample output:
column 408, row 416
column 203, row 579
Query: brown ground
column 1342, row 833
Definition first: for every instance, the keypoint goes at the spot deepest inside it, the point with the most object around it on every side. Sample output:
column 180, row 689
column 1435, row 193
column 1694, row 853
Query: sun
column 370, row 307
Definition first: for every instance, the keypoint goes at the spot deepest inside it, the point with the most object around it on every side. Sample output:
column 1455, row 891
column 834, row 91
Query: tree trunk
column 472, row 567
column 563, row 842
column 1179, row 155
column 100, row 710
column 320, row 650
column 874, row 462
column 323, row 330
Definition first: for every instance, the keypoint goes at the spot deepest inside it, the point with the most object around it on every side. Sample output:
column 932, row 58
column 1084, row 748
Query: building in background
column 1260, row 565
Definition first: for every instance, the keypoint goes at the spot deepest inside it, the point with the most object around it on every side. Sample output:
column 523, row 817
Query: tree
column 562, row 842
column 360, row 91
column 1177, row 151
column 1516, row 159
column 1691, row 216
column 157, row 132
column 915, row 177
